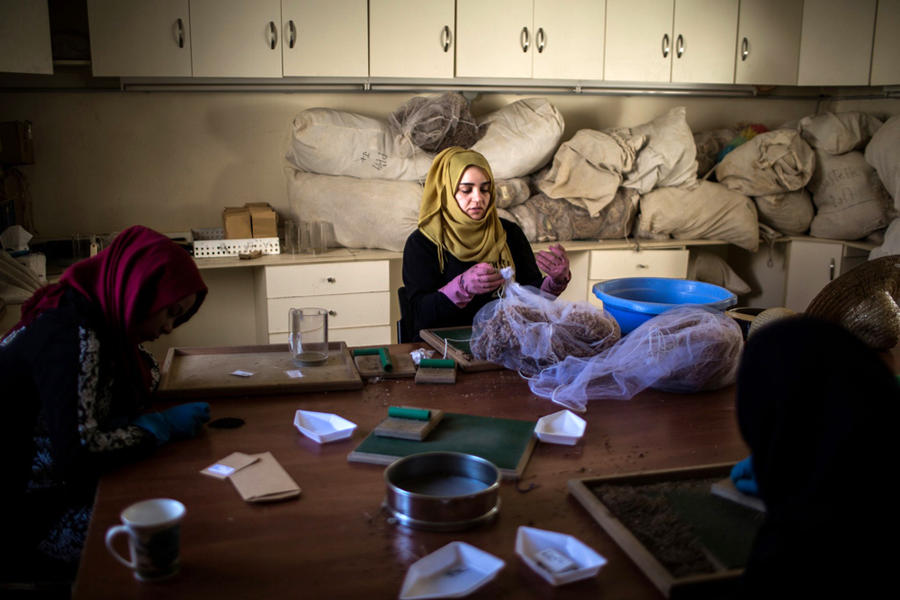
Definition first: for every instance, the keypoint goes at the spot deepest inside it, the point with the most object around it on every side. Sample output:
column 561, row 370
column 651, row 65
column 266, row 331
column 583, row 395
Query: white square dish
column 323, row 427
column 453, row 571
column 530, row 542
column 563, row 427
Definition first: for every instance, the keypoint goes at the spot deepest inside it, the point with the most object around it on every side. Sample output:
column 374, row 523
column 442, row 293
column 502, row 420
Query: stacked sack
column 365, row 175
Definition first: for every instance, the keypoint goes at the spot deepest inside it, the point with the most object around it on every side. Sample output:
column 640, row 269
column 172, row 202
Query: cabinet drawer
column 611, row 264
column 352, row 336
column 327, row 278
column 345, row 310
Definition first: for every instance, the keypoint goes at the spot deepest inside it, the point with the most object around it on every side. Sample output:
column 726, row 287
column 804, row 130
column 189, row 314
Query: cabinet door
column 568, row 39
column 25, row 37
column 325, row 38
column 638, row 40
column 885, row 54
column 411, row 38
column 140, row 38
column 810, row 267
column 836, row 42
column 769, row 42
column 236, row 38
column 494, row 39
column 704, row 43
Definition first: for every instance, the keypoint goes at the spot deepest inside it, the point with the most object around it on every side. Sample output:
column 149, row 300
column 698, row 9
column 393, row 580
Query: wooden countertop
column 335, row 542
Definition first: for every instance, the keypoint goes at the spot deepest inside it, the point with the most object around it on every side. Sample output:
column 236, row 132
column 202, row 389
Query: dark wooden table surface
column 335, row 541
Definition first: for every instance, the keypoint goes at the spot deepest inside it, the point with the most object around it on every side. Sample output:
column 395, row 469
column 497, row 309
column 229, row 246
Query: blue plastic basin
column 633, row 300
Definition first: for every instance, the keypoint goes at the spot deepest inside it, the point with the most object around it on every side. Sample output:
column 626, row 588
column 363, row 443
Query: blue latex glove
column 743, row 477
column 180, row 421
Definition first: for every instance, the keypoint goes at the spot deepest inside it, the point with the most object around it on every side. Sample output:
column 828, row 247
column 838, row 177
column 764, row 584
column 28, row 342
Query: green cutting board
column 505, row 442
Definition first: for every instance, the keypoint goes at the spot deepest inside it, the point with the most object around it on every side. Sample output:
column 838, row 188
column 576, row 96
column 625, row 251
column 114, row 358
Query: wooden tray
column 196, row 372
column 369, row 365
column 455, row 339
column 722, row 578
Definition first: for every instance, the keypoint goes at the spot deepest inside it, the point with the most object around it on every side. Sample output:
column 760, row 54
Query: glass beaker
column 308, row 335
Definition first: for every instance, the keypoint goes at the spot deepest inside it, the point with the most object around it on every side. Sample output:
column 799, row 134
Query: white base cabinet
column 612, row 264
column 356, row 294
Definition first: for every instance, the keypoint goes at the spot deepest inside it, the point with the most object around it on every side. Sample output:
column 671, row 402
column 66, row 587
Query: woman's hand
column 554, row 262
column 480, row 279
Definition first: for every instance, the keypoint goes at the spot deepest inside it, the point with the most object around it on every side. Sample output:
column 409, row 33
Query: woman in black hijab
column 819, row 411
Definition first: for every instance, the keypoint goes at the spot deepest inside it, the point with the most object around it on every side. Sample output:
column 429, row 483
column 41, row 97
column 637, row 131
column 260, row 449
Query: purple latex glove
column 554, row 262
column 480, row 279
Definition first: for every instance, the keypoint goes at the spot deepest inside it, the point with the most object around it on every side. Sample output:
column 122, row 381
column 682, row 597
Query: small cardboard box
column 263, row 219
column 237, row 222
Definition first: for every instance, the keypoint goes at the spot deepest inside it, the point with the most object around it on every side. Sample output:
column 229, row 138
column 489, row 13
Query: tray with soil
column 688, row 541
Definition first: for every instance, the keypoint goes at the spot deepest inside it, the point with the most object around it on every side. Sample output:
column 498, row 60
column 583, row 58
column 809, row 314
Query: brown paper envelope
column 228, row 465
column 264, row 481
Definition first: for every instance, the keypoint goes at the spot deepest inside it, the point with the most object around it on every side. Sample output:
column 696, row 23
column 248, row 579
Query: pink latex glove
column 554, row 262
column 480, row 279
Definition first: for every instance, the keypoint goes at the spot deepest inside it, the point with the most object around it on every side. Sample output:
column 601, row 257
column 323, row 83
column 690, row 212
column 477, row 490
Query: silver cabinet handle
column 179, row 32
column 679, row 45
column 273, row 35
column 665, row 45
column 540, row 38
column 446, row 38
column 293, row 29
column 330, row 280
column 523, row 39
column 745, row 49
column 831, row 266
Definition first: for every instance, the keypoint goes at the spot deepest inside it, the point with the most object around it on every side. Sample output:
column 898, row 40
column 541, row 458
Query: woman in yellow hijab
column 452, row 262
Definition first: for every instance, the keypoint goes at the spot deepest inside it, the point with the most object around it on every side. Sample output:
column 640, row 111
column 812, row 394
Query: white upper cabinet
column 25, row 37
column 886, row 51
column 494, row 38
column 546, row 39
column 140, row 38
column 836, row 42
column 685, row 41
column 768, row 41
column 325, row 38
column 568, row 39
column 236, row 38
column 411, row 38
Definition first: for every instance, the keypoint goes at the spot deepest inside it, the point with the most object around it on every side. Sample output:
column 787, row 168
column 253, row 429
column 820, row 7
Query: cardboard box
column 237, row 222
column 263, row 219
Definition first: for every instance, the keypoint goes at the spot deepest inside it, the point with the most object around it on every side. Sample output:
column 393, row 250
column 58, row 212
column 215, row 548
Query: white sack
column 712, row 268
column 366, row 213
column 891, row 243
column 790, row 213
column 669, row 156
column 521, row 137
column 850, row 201
column 704, row 211
column 883, row 153
column 333, row 142
column 837, row 133
column 773, row 162
column 511, row 192
column 545, row 219
column 590, row 167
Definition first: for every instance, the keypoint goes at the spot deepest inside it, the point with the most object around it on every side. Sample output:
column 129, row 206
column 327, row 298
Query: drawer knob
column 330, row 280
column 332, row 313
column 640, row 266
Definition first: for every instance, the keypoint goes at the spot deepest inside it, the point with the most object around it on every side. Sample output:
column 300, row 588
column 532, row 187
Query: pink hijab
column 139, row 274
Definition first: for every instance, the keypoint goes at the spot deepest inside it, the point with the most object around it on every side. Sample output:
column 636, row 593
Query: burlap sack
column 773, row 162
column 790, row 213
column 883, row 154
column 837, row 133
column 669, row 156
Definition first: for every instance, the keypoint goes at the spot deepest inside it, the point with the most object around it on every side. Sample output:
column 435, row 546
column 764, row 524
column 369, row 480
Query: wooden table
column 335, row 541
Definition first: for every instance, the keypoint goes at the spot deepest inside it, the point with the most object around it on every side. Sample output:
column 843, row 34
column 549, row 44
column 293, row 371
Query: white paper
column 240, row 373
column 294, row 373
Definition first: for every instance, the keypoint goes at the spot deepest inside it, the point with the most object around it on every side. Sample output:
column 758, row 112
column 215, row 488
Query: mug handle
column 111, row 533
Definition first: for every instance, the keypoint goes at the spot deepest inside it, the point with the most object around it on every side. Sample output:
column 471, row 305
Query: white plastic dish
column 563, row 427
column 453, row 571
column 323, row 427
column 531, row 541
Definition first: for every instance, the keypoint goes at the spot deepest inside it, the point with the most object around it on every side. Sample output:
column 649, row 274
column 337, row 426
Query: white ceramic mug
column 153, row 528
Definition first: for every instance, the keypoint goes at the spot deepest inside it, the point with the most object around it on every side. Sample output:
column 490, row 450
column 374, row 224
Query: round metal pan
column 442, row 491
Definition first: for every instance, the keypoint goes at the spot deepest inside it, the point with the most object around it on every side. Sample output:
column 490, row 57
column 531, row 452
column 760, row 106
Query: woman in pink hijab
column 76, row 386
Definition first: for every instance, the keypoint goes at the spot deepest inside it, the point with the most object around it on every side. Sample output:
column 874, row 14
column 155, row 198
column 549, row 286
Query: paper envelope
column 264, row 481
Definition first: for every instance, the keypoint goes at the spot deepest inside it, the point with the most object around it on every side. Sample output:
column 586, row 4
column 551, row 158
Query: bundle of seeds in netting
column 527, row 330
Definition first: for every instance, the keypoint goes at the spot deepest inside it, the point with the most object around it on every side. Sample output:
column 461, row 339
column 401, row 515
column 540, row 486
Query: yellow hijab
column 443, row 222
